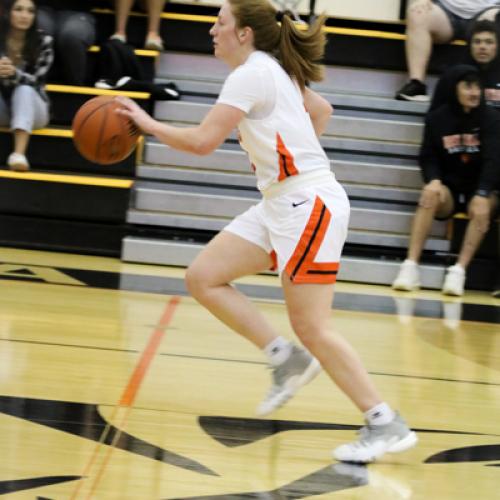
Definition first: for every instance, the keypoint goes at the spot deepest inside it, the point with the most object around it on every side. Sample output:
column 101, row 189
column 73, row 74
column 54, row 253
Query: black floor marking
column 233, row 432
column 482, row 453
column 343, row 300
column 84, row 420
column 35, row 482
column 330, row 479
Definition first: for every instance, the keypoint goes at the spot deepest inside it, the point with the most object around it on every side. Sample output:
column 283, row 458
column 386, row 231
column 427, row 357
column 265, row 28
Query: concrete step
column 176, row 253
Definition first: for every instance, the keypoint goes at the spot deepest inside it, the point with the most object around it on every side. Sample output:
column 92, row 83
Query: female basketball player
column 25, row 58
column 300, row 225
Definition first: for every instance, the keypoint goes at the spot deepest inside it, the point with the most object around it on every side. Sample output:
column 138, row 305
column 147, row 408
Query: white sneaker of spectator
column 408, row 278
column 454, row 281
column 18, row 162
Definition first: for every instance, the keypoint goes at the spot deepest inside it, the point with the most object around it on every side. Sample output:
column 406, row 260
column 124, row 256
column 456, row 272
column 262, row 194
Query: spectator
column 459, row 158
column 72, row 26
column 26, row 56
column 438, row 21
column 154, row 8
column 483, row 54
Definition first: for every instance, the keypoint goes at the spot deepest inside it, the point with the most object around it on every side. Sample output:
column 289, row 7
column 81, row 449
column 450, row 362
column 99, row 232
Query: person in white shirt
column 436, row 21
column 299, row 226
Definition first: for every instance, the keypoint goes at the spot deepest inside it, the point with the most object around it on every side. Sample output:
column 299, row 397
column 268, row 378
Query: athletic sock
column 278, row 351
column 380, row 414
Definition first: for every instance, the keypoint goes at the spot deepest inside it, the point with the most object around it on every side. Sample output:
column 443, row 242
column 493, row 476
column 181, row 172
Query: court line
column 242, row 361
column 127, row 399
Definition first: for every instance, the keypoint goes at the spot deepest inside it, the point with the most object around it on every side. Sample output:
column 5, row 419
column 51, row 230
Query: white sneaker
column 408, row 278
column 376, row 440
column 454, row 281
column 18, row 162
column 299, row 369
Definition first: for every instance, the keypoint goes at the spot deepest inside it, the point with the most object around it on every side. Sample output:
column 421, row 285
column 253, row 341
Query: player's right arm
column 217, row 125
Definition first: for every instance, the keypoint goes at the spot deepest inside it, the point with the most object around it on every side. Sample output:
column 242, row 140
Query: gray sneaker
column 299, row 369
column 375, row 440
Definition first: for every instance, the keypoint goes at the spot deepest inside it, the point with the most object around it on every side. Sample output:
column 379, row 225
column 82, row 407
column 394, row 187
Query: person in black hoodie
column 460, row 162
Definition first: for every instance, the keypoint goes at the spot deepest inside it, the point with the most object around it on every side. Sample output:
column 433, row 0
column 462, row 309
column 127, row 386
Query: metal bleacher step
column 202, row 223
column 203, row 73
column 365, row 270
column 209, row 201
column 231, row 166
column 371, row 140
column 339, row 126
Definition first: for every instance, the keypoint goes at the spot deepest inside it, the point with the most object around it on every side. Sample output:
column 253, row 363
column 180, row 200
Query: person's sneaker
column 414, row 90
column 376, row 440
column 496, row 292
column 18, row 162
column 154, row 43
column 454, row 281
column 299, row 369
column 408, row 278
column 118, row 38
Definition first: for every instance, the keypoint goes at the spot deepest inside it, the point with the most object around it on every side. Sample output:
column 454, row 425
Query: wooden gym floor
column 116, row 385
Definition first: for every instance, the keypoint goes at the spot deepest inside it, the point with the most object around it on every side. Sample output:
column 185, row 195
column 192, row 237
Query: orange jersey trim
column 301, row 267
column 287, row 165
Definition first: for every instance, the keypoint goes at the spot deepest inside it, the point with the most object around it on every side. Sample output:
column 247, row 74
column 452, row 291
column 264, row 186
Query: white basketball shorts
column 304, row 231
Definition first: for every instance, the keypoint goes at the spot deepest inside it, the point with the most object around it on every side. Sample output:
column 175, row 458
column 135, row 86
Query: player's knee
column 308, row 331
column 198, row 281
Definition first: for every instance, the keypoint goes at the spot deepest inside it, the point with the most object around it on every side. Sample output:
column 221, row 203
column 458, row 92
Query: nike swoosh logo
column 299, row 203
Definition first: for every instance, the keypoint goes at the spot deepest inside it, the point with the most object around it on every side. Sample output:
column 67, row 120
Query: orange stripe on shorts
column 301, row 267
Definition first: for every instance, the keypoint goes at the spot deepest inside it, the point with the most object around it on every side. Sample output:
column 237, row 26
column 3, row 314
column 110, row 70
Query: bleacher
column 175, row 202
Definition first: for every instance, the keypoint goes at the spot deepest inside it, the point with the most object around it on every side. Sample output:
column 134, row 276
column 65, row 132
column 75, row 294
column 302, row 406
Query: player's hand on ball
column 134, row 112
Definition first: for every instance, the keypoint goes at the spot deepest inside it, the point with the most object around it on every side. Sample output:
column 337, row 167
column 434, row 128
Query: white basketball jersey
column 283, row 143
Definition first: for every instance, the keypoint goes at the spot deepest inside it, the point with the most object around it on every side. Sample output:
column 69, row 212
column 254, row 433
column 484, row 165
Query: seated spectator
column 154, row 8
column 483, row 54
column 27, row 56
column 438, row 21
column 460, row 162
column 72, row 26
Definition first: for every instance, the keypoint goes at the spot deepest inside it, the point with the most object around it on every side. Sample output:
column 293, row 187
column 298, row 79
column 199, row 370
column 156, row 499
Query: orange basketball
column 100, row 134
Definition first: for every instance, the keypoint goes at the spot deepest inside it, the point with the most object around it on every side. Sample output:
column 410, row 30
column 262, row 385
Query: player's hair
column 299, row 51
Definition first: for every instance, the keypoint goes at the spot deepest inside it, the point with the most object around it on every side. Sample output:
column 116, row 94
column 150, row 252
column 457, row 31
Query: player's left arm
column 319, row 109
column 219, row 122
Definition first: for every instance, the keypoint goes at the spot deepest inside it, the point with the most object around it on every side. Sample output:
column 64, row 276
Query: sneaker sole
column 404, row 444
column 400, row 288
column 293, row 386
column 409, row 441
column 413, row 98
column 19, row 167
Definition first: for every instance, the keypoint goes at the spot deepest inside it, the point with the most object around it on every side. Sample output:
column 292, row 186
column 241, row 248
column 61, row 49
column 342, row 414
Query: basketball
column 100, row 134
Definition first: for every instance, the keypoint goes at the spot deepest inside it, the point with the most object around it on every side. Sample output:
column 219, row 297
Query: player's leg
column 208, row 279
column 231, row 254
column 309, row 309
